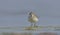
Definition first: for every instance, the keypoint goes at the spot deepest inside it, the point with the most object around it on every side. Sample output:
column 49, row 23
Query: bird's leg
column 31, row 24
column 34, row 24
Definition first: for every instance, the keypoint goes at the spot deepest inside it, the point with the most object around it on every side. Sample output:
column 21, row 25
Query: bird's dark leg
column 34, row 24
column 31, row 24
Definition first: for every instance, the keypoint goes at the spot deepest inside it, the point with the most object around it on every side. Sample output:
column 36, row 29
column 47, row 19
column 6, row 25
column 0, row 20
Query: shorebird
column 33, row 19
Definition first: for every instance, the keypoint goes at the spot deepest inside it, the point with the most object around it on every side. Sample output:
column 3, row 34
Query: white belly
column 33, row 20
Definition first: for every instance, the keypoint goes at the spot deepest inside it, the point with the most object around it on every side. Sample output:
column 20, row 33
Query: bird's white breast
column 35, row 19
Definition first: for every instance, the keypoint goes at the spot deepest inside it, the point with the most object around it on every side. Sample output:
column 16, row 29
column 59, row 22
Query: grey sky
column 43, row 7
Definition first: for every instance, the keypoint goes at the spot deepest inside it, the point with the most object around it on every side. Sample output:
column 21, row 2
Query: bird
column 33, row 19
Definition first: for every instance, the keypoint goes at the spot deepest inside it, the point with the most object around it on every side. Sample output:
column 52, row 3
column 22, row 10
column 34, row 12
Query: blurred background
column 14, row 12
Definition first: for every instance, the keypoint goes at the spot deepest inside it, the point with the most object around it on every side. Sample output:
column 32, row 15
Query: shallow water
column 22, row 30
column 17, row 23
